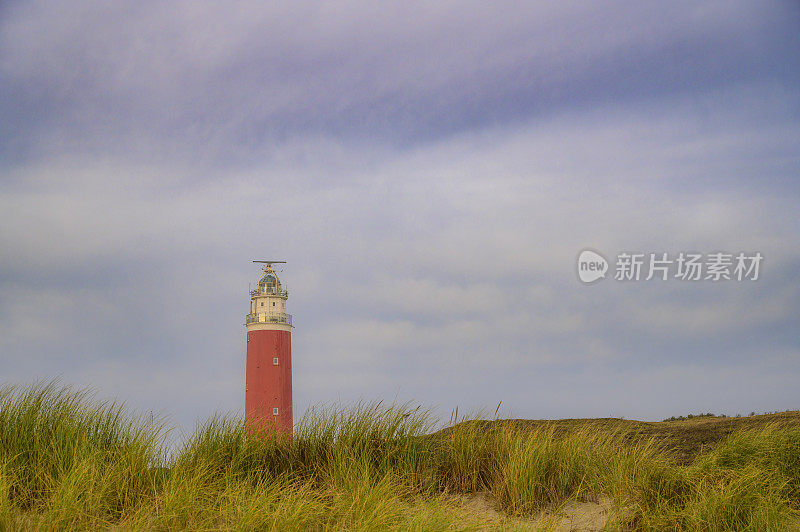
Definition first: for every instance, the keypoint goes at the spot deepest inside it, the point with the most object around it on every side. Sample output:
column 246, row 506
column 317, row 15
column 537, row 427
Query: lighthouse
column 268, row 379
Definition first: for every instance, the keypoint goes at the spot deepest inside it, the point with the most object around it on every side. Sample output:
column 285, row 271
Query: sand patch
column 572, row 516
column 577, row 516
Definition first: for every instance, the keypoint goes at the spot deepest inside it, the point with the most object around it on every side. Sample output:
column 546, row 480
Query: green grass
column 69, row 462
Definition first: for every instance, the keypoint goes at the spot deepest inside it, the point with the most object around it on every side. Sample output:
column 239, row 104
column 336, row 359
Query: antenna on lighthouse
column 268, row 264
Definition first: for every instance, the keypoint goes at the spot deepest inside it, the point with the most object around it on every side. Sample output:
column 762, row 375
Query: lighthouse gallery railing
column 270, row 289
column 269, row 317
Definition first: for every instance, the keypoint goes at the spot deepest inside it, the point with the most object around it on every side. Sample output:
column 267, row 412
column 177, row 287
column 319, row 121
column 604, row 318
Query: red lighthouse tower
column 268, row 389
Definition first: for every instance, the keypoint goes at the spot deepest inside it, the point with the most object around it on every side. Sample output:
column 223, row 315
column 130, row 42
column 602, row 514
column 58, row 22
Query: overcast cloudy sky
column 430, row 171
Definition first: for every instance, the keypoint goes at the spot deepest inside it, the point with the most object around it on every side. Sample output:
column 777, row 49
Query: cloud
column 150, row 80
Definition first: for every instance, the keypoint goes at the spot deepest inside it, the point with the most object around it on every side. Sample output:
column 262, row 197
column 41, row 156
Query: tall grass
column 69, row 458
column 68, row 462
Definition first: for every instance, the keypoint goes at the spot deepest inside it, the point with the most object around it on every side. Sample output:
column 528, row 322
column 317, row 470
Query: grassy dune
column 68, row 462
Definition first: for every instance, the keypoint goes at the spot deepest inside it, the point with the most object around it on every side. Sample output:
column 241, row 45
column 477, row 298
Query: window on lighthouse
column 275, row 361
column 275, row 411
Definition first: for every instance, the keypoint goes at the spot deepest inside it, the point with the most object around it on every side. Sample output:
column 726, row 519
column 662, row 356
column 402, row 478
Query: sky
column 430, row 172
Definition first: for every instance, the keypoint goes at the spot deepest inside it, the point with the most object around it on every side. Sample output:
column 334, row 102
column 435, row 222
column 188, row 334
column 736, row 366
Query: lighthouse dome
column 268, row 279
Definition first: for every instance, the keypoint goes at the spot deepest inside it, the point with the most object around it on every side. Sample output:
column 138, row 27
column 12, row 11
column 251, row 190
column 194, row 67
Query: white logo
column 591, row 266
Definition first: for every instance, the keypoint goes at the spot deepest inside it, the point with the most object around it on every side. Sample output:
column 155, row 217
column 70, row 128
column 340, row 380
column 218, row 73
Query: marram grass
column 68, row 462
